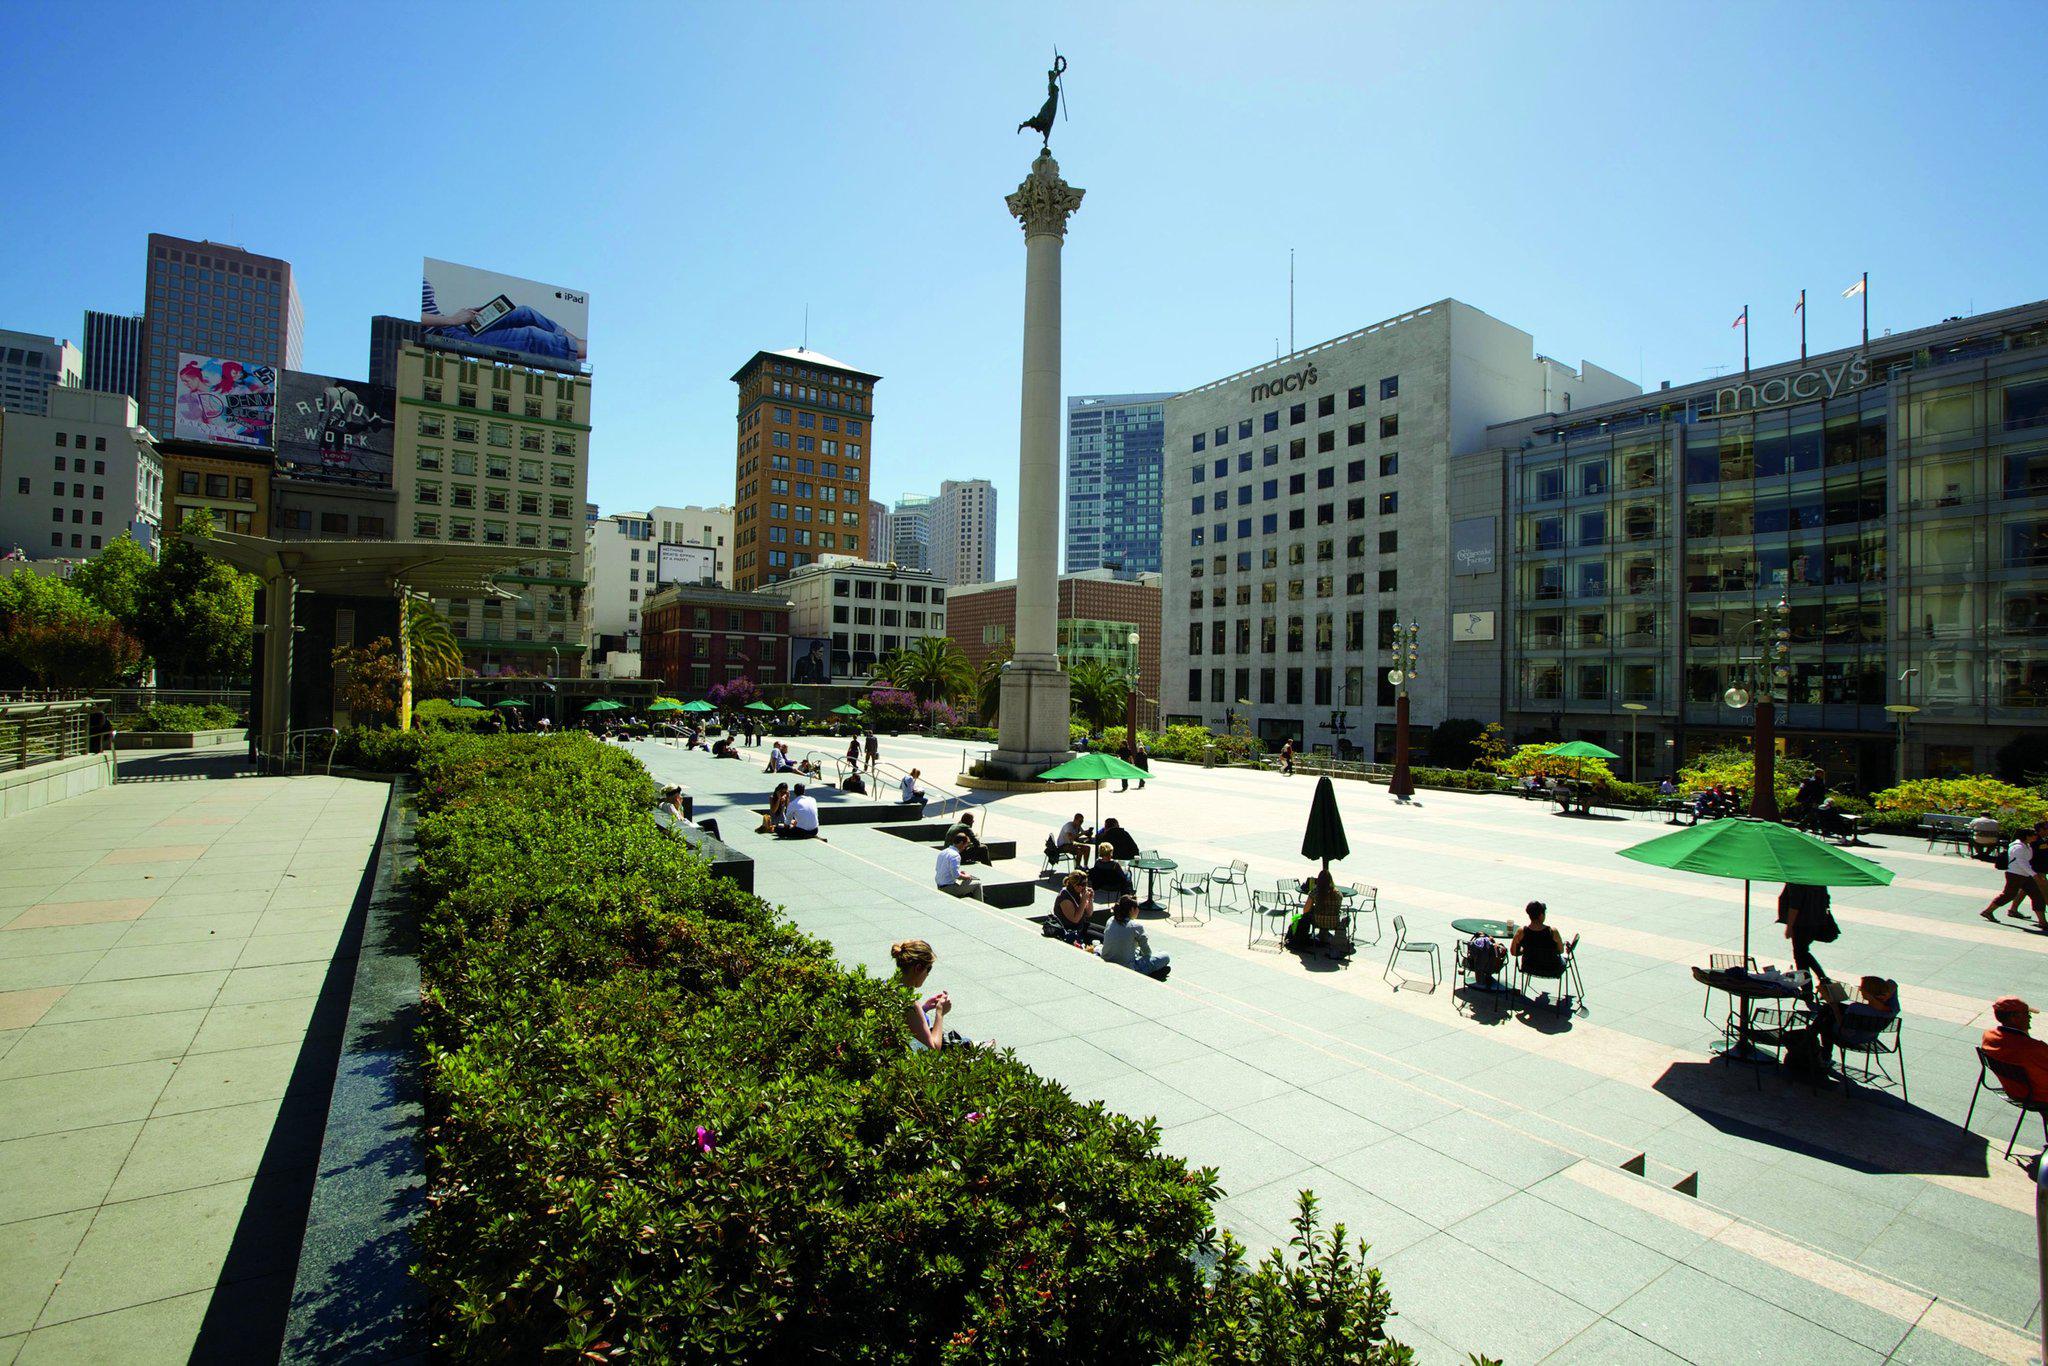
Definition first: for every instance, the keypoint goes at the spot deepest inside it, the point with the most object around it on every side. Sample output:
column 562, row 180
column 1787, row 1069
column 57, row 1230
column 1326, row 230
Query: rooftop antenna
column 807, row 329
column 1290, row 299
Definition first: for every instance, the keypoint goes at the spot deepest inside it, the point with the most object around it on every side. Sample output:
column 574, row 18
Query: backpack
column 2002, row 860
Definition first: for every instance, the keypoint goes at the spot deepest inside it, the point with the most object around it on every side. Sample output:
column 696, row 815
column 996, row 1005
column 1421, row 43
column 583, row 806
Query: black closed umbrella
column 1324, row 838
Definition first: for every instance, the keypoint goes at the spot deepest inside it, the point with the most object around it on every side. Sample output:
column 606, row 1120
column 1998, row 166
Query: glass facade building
column 1895, row 500
column 1115, row 445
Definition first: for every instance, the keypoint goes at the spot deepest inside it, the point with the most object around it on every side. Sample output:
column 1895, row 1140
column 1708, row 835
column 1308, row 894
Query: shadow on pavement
column 182, row 765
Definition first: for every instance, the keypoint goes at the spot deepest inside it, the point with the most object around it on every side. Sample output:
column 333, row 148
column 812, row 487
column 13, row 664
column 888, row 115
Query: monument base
column 1033, row 734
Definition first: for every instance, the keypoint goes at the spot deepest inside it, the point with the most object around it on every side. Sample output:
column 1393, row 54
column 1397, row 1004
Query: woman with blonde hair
column 926, row 1018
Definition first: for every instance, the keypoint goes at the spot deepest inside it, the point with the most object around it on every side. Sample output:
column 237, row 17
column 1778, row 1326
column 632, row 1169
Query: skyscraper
column 910, row 530
column 212, row 300
column 113, row 352
column 963, row 529
column 1113, row 481
column 32, row 365
column 387, row 334
column 801, row 468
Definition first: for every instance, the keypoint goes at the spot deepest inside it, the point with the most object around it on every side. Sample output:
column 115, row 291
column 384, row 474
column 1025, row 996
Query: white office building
column 863, row 612
column 1305, row 514
column 963, row 545
column 627, row 555
column 31, row 366
column 77, row 477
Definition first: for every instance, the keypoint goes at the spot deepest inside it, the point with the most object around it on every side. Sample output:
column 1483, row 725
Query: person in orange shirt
column 2008, row 1042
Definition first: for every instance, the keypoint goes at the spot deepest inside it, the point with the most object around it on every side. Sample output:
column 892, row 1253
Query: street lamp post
column 1769, row 671
column 1634, row 710
column 1901, row 711
column 1407, row 656
column 1131, row 706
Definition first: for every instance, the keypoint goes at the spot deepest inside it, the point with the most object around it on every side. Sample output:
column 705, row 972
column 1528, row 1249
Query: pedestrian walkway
column 1489, row 1158
column 167, row 1031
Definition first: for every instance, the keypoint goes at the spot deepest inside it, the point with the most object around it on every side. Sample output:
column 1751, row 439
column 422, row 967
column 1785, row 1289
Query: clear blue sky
column 1617, row 179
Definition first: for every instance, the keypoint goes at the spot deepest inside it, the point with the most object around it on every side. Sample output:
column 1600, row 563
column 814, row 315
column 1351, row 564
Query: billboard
column 1471, row 626
column 1472, row 546
column 488, row 314
column 334, row 428
column 674, row 563
column 226, row 402
column 810, row 659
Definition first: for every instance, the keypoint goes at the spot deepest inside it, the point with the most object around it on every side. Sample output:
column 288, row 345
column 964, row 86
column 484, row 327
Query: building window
column 1390, row 463
column 1390, row 425
column 1390, row 502
column 1390, row 387
column 1354, row 397
column 1326, row 405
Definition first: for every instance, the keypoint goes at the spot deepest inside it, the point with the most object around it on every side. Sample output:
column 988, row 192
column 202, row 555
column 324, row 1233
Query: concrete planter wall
column 30, row 789
column 179, row 739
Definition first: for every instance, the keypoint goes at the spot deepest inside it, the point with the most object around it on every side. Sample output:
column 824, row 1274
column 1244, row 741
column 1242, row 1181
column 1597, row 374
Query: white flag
column 1853, row 290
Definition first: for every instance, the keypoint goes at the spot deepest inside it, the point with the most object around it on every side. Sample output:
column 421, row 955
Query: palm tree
column 931, row 667
column 988, row 684
column 436, row 653
column 1100, row 690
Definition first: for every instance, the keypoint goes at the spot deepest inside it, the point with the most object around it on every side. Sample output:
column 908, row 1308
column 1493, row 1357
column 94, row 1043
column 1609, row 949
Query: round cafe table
column 1153, row 868
column 1494, row 929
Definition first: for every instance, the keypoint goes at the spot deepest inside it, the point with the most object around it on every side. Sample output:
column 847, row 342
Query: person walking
column 2023, row 876
column 872, row 745
column 1287, row 759
column 1803, row 911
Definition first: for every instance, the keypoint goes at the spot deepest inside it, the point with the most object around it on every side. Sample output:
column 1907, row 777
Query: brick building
column 695, row 635
column 1097, row 613
column 804, row 449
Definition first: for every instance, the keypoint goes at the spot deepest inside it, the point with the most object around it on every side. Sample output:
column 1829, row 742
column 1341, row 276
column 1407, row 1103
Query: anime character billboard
column 225, row 402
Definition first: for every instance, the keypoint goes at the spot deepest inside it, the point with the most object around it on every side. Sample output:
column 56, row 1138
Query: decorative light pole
column 1131, row 706
column 1767, row 673
column 1406, row 653
column 1634, row 710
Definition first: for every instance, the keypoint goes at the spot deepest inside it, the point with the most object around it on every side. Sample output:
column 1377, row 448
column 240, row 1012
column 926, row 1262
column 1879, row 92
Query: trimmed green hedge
column 666, row 1126
column 176, row 717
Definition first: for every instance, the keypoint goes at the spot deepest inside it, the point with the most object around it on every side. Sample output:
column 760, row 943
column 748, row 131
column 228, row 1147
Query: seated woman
column 926, row 1018
column 1539, row 947
column 1072, row 909
column 778, row 804
column 1108, row 877
column 672, row 803
column 1124, row 942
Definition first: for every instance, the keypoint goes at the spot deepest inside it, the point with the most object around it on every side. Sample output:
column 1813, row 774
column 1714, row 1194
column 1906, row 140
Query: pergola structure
column 395, row 569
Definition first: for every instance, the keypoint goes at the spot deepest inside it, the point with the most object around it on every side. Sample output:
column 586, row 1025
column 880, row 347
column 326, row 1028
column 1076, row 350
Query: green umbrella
column 1764, row 851
column 465, row 702
column 666, row 704
column 1579, row 749
column 508, row 702
column 1324, row 838
column 846, row 709
column 699, row 706
column 796, row 706
column 603, row 704
column 757, row 706
column 1093, row 767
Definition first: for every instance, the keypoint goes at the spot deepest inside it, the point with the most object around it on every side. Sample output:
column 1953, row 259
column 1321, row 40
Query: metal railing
column 304, row 742
column 34, row 733
column 128, row 701
column 935, row 794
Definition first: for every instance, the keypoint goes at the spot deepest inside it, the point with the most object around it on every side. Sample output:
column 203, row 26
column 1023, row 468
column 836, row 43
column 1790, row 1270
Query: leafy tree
column 195, row 614
column 733, row 694
column 1100, row 690
column 988, row 684
column 366, row 679
column 933, row 668
column 116, row 577
column 54, row 636
column 1454, row 742
column 1492, row 745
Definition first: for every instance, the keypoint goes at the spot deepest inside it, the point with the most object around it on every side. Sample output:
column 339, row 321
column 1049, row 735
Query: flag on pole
column 1853, row 290
column 1800, row 307
column 1741, row 317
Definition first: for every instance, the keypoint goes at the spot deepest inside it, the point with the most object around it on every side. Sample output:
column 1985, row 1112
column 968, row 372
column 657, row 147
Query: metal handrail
column 303, row 740
column 34, row 733
column 935, row 794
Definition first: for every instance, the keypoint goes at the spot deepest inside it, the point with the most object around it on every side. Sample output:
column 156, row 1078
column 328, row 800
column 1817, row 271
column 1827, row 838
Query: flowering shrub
column 1736, row 768
column 734, row 694
column 892, row 709
column 936, row 713
column 1535, row 759
column 665, row 1126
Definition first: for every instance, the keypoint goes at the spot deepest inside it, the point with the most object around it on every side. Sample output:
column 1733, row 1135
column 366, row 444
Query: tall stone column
column 1033, row 729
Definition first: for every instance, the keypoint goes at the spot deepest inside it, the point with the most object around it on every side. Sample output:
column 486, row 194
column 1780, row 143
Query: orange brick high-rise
column 800, row 487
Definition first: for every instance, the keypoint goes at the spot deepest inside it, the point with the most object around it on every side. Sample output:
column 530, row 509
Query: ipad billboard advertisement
column 675, row 563
column 488, row 314
column 334, row 428
column 225, row 402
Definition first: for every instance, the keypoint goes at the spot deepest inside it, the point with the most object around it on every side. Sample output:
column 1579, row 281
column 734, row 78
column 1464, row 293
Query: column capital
column 1043, row 202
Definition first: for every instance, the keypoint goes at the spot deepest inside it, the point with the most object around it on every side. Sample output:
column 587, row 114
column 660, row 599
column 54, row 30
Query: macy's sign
column 1285, row 385
column 1824, row 381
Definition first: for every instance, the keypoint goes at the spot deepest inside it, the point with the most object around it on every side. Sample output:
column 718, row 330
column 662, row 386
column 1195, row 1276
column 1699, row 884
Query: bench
column 933, row 833
column 703, row 840
column 1941, row 828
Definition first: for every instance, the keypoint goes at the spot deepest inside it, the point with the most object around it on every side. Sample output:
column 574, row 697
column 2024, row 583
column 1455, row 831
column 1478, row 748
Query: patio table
column 1746, row 989
column 1153, row 868
column 1470, row 928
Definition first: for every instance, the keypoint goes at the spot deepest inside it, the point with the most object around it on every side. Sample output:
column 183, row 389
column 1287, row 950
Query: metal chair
column 1564, row 971
column 1722, row 962
column 1402, row 945
column 1361, row 900
column 2014, row 1089
column 1266, row 915
column 1184, row 888
column 1875, row 1045
column 1221, row 880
